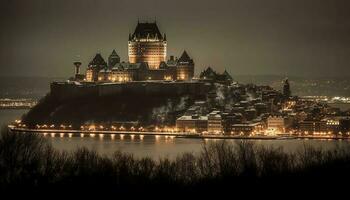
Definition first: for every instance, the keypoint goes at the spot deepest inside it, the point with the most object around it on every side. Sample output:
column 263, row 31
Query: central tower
column 147, row 44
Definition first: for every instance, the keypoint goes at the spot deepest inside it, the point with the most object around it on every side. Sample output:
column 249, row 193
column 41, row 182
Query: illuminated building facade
column 310, row 126
column 247, row 128
column 147, row 54
column 215, row 123
column 185, row 67
column 192, row 124
column 276, row 123
column 95, row 66
column 148, row 45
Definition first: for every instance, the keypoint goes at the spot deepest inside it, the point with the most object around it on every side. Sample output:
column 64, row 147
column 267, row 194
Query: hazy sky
column 286, row 37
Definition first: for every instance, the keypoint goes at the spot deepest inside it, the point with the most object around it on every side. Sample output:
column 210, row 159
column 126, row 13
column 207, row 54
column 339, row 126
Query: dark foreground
column 28, row 161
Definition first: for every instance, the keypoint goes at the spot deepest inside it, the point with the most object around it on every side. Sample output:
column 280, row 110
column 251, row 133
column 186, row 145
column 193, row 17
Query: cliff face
column 70, row 90
column 145, row 106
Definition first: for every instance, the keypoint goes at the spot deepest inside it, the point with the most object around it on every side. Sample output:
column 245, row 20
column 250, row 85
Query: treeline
column 28, row 160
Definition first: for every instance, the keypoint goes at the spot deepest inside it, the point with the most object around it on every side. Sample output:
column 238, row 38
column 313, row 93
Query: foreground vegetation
column 28, row 160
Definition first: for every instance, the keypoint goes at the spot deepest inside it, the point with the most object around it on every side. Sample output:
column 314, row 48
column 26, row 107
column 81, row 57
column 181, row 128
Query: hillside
column 145, row 109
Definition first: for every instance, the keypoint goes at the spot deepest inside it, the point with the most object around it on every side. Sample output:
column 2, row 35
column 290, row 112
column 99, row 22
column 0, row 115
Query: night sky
column 282, row 37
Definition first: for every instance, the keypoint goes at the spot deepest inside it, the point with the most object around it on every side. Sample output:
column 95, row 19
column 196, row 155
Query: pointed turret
column 113, row 59
column 227, row 75
column 208, row 73
column 185, row 58
column 98, row 62
column 114, row 53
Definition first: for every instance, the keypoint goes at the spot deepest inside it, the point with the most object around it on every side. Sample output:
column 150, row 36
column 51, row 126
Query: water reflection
column 156, row 146
column 161, row 146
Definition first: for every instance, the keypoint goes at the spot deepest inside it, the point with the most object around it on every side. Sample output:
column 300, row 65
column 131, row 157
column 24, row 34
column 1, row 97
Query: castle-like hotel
column 147, row 51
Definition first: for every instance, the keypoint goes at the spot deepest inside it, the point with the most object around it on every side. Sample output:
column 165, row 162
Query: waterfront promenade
column 141, row 134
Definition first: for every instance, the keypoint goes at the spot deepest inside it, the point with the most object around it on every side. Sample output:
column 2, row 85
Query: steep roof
column 98, row 60
column 208, row 73
column 114, row 54
column 185, row 57
column 143, row 30
column 227, row 75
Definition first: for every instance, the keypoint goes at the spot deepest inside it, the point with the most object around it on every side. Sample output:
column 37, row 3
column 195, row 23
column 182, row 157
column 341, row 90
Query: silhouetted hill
column 145, row 109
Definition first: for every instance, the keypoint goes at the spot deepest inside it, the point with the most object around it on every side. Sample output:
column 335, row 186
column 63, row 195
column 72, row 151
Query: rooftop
column 144, row 30
column 185, row 58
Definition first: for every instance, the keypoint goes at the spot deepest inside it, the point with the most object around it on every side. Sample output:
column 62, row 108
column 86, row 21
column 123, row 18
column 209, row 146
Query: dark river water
column 161, row 147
